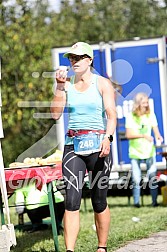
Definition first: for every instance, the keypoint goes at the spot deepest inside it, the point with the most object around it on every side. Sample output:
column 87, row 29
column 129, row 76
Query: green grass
column 122, row 230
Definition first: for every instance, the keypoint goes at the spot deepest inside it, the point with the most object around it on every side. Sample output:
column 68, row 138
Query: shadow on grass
column 26, row 241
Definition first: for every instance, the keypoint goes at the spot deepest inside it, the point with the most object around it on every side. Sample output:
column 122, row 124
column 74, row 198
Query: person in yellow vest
column 34, row 202
column 140, row 123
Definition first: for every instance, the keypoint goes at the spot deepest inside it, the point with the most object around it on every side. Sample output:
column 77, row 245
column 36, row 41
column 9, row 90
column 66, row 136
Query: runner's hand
column 61, row 76
column 105, row 147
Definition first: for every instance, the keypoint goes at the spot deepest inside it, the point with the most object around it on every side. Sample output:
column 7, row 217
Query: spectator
column 34, row 202
column 139, row 125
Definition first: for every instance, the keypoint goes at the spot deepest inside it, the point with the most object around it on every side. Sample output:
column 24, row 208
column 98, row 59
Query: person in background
column 34, row 202
column 90, row 101
column 139, row 125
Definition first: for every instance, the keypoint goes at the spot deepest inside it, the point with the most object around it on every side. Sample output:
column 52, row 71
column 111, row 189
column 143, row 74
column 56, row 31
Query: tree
column 146, row 19
column 25, row 48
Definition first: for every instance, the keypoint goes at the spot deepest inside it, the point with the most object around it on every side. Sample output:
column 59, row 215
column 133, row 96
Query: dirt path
column 155, row 243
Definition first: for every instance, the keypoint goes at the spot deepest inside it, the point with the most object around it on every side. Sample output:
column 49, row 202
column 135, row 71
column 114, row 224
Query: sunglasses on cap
column 77, row 57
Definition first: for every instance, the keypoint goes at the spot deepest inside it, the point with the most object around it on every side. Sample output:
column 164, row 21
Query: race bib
column 86, row 144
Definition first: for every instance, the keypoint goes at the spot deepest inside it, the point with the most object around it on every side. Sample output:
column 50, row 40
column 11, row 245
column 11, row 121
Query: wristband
column 110, row 137
column 61, row 88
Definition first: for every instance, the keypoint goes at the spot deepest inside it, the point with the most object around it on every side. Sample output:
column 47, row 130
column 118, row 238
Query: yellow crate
column 164, row 195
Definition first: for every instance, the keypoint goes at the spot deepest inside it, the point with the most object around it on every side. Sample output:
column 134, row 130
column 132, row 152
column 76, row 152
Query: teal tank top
column 85, row 109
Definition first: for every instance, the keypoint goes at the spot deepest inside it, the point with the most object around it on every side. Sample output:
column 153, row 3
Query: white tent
column 7, row 234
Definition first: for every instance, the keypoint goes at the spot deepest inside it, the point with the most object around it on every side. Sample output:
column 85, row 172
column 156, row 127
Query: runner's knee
column 99, row 207
column 72, row 207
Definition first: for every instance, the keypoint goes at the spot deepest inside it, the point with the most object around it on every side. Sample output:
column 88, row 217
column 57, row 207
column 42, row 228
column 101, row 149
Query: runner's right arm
column 59, row 99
